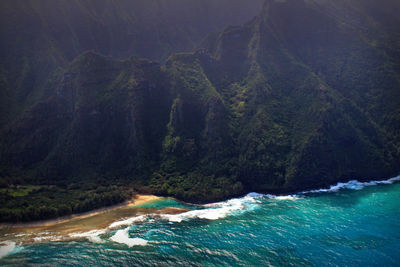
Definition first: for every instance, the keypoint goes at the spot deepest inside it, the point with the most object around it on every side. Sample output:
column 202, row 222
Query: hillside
column 39, row 38
column 304, row 95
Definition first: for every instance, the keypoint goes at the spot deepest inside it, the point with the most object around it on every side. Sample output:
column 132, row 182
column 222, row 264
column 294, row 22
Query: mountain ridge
column 294, row 99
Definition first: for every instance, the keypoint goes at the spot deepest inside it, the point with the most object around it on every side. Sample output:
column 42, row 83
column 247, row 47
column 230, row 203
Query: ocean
column 349, row 224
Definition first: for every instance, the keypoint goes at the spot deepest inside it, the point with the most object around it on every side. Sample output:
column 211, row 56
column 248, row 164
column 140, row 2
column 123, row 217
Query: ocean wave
column 48, row 238
column 92, row 236
column 284, row 197
column 216, row 211
column 212, row 211
column 277, row 197
column 122, row 237
column 352, row 185
column 8, row 248
column 129, row 221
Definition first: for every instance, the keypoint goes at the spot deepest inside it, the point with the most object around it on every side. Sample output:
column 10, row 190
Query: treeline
column 49, row 202
column 195, row 187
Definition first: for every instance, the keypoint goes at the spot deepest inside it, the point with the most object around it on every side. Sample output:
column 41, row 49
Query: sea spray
column 8, row 248
column 92, row 236
column 216, row 211
column 352, row 185
column 129, row 221
column 122, row 237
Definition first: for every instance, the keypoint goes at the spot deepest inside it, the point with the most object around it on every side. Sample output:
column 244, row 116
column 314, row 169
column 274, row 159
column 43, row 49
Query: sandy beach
column 136, row 201
column 78, row 223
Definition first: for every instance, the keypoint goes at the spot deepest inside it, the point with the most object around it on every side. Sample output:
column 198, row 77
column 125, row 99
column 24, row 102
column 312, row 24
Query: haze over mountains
column 303, row 95
column 40, row 38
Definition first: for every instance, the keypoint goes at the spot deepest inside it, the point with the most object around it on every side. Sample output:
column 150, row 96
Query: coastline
column 139, row 199
column 98, row 222
column 141, row 226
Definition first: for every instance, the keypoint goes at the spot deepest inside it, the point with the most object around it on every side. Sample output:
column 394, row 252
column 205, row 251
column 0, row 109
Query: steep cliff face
column 310, row 94
column 304, row 95
column 40, row 38
column 106, row 117
column 198, row 155
column 317, row 89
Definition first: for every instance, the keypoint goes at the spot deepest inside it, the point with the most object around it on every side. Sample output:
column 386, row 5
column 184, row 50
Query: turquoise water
column 352, row 224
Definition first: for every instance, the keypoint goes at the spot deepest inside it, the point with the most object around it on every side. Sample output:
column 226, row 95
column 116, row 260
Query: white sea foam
column 92, row 236
column 255, row 195
column 211, row 211
column 117, row 224
column 215, row 211
column 287, row 197
column 277, row 197
column 353, row 185
column 8, row 248
column 48, row 238
column 122, row 237
column 22, row 234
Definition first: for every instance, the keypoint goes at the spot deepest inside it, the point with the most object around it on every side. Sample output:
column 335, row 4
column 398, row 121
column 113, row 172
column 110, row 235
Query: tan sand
column 136, row 201
column 81, row 223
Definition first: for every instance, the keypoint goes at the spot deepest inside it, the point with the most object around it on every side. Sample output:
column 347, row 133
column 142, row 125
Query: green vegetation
column 296, row 98
column 19, row 191
column 27, row 203
column 40, row 38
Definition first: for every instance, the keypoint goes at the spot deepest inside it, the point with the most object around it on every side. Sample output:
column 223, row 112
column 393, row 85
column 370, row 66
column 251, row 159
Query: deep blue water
column 352, row 224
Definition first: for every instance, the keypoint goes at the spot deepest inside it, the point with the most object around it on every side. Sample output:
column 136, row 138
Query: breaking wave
column 122, row 237
column 287, row 197
column 92, row 236
column 211, row 211
column 117, row 224
column 352, row 185
column 8, row 248
column 48, row 238
column 217, row 210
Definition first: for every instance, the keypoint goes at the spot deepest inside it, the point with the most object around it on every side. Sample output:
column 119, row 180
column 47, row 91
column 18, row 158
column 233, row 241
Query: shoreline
column 139, row 199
